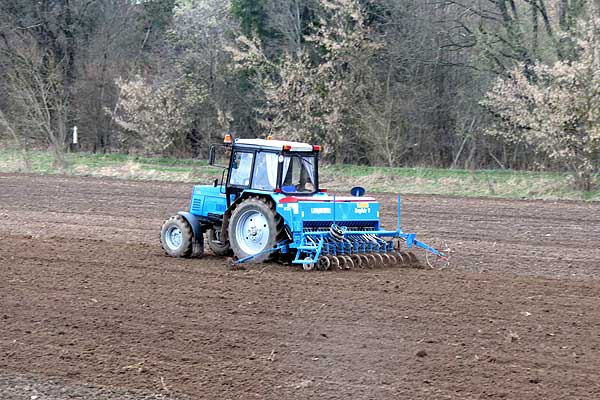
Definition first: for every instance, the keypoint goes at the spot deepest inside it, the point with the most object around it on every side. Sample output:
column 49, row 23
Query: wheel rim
column 173, row 238
column 310, row 266
column 252, row 232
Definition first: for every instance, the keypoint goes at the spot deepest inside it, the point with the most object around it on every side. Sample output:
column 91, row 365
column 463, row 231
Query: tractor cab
column 271, row 166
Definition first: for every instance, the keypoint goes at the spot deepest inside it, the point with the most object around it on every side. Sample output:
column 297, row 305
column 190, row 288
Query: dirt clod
column 421, row 353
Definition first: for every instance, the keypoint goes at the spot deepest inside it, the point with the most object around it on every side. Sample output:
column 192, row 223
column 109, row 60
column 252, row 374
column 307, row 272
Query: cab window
column 241, row 169
column 298, row 174
column 265, row 171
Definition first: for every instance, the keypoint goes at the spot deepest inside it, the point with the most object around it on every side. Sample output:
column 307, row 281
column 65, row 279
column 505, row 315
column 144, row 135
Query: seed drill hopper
column 268, row 204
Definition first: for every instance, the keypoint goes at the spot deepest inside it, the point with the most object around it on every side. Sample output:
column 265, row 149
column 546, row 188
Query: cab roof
column 274, row 144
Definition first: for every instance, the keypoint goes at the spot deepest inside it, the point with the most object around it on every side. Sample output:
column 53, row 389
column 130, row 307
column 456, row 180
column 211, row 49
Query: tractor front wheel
column 176, row 237
column 253, row 228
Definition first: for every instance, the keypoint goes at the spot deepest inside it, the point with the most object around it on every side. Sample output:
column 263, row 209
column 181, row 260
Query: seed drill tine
column 429, row 249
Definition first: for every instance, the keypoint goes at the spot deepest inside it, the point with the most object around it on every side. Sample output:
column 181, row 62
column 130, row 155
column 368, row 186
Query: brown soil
column 88, row 299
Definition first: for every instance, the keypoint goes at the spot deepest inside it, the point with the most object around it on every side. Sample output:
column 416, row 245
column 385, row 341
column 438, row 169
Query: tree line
column 451, row 83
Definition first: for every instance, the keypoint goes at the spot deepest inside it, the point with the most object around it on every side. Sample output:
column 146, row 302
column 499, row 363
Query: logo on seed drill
column 362, row 208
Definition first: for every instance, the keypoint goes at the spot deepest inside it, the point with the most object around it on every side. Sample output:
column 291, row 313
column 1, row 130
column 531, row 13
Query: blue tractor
column 268, row 204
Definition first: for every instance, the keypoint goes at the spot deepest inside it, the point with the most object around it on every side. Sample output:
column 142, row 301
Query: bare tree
column 38, row 105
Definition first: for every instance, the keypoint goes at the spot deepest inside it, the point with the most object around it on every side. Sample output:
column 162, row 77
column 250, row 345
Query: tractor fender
column 245, row 195
column 194, row 223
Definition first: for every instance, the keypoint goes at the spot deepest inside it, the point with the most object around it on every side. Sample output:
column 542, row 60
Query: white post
column 75, row 135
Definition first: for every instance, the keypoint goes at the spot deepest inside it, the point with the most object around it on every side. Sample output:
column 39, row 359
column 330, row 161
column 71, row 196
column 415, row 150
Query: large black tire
column 177, row 238
column 219, row 249
column 254, row 227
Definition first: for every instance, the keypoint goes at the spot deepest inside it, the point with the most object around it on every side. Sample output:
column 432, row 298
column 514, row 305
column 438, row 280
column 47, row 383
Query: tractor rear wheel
column 176, row 237
column 217, row 247
column 253, row 228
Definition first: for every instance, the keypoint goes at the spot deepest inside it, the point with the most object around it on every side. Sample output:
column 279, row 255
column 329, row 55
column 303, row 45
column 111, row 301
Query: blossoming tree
column 556, row 108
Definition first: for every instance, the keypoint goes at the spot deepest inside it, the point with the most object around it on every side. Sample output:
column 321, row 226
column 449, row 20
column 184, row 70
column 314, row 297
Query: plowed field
column 91, row 308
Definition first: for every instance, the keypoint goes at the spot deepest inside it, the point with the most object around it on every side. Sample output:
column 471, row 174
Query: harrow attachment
column 341, row 249
column 363, row 261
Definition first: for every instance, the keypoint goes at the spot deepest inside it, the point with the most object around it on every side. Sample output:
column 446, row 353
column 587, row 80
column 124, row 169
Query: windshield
column 298, row 174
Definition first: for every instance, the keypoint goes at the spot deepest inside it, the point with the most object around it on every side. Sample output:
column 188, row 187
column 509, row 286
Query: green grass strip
column 339, row 178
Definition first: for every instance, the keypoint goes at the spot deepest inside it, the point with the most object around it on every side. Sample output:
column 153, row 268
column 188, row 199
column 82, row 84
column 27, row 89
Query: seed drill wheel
column 220, row 249
column 310, row 266
column 357, row 260
column 378, row 258
column 368, row 260
column 323, row 263
column 254, row 227
column 335, row 262
column 386, row 258
column 407, row 260
column 177, row 238
column 348, row 263
column 413, row 258
column 399, row 257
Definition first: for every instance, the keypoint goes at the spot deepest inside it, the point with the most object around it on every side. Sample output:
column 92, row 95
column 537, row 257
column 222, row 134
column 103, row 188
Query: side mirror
column 357, row 191
column 211, row 155
column 218, row 155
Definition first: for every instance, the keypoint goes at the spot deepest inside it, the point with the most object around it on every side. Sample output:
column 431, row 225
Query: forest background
column 507, row 84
